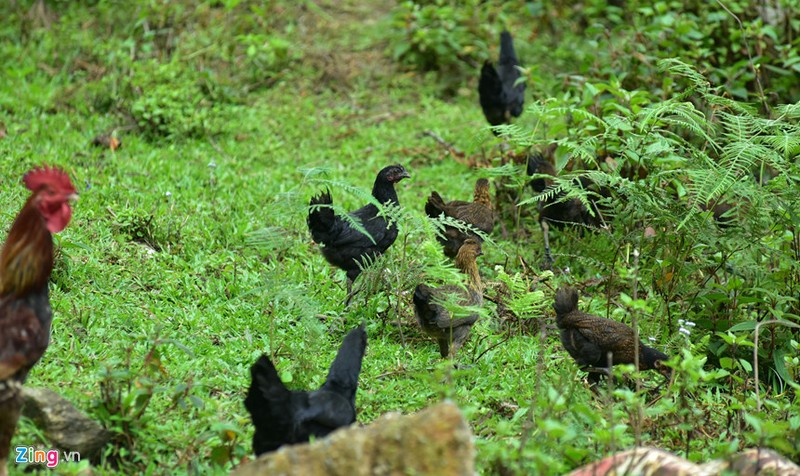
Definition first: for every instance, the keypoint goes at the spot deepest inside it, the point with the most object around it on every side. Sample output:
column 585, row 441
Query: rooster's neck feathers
column 27, row 257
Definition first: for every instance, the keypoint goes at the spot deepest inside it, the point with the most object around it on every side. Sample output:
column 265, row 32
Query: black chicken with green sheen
column 285, row 417
column 346, row 247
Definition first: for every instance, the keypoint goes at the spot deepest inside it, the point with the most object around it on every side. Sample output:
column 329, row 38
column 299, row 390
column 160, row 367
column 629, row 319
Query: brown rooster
column 434, row 319
column 597, row 343
column 478, row 213
column 25, row 265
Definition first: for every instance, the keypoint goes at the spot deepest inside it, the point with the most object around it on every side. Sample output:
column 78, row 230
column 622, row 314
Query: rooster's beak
column 73, row 197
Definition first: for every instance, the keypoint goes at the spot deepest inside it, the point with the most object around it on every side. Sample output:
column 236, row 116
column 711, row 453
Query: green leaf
column 744, row 326
column 746, row 365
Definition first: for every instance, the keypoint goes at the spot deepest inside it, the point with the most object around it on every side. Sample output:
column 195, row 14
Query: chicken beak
column 73, row 197
column 405, row 175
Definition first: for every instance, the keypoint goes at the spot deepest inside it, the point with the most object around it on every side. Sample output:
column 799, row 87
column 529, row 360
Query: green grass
column 188, row 256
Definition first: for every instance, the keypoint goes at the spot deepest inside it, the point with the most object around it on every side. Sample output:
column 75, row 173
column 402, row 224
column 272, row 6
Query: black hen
column 437, row 321
column 500, row 95
column 557, row 210
column 344, row 246
column 597, row 343
column 284, row 417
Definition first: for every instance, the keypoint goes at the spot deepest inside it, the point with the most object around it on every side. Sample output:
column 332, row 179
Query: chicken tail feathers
column 423, row 302
column 320, row 216
column 507, row 53
column 490, row 88
column 266, row 387
column 343, row 373
column 566, row 301
column 435, row 205
column 422, row 294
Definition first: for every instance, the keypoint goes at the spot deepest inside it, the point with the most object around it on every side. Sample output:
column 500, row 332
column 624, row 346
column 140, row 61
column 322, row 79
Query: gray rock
column 436, row 442
column 63, row 424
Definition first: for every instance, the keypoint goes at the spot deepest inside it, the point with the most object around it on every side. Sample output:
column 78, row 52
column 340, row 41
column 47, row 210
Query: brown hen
column 597, row 343
column 437, row 321
column 478, row 214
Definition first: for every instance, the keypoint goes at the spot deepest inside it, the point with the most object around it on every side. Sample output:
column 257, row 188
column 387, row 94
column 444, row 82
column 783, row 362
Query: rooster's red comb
column 46, row 176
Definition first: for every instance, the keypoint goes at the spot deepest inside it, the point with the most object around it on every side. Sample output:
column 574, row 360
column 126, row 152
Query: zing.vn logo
column 29, row 455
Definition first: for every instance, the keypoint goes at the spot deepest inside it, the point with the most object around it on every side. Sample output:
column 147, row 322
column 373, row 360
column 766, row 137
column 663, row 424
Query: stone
column 647, row 461
column 64, row 425
column 436, row 441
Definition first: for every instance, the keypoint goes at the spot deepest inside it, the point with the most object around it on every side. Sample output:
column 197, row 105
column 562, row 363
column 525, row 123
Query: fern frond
column 679, row 68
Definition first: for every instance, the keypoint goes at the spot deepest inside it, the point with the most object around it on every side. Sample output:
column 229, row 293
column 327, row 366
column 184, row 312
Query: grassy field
column 188, row 254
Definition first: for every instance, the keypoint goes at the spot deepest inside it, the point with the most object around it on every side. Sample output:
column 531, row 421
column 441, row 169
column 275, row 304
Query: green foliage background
column 188, row 254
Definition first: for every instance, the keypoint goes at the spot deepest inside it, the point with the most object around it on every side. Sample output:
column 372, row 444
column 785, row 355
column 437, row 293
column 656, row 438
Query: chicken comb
column 46, row 176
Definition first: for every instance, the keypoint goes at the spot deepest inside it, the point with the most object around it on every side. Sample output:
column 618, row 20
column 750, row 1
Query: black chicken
column 478, row 213
column 434, row 319
column 344, row 246
column 555, row 209
column 501, row 96
column 284, row 417
column 597, row 343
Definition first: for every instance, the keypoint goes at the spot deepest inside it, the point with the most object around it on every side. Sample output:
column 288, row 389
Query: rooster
column 434, row 319
column 285, row 417
column 478, row 213
column 25, row 265
column 346, row 247
column 501, row 95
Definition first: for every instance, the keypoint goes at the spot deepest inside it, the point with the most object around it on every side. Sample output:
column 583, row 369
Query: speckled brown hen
column 597, row 343
column 25, row 265
column 437, row 321
column 478, row 213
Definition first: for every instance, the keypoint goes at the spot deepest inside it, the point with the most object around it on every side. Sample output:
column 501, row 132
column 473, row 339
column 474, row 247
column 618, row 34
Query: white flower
column 684, row 331
column 651, row 339
column 168, row 194
column 212, row 164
